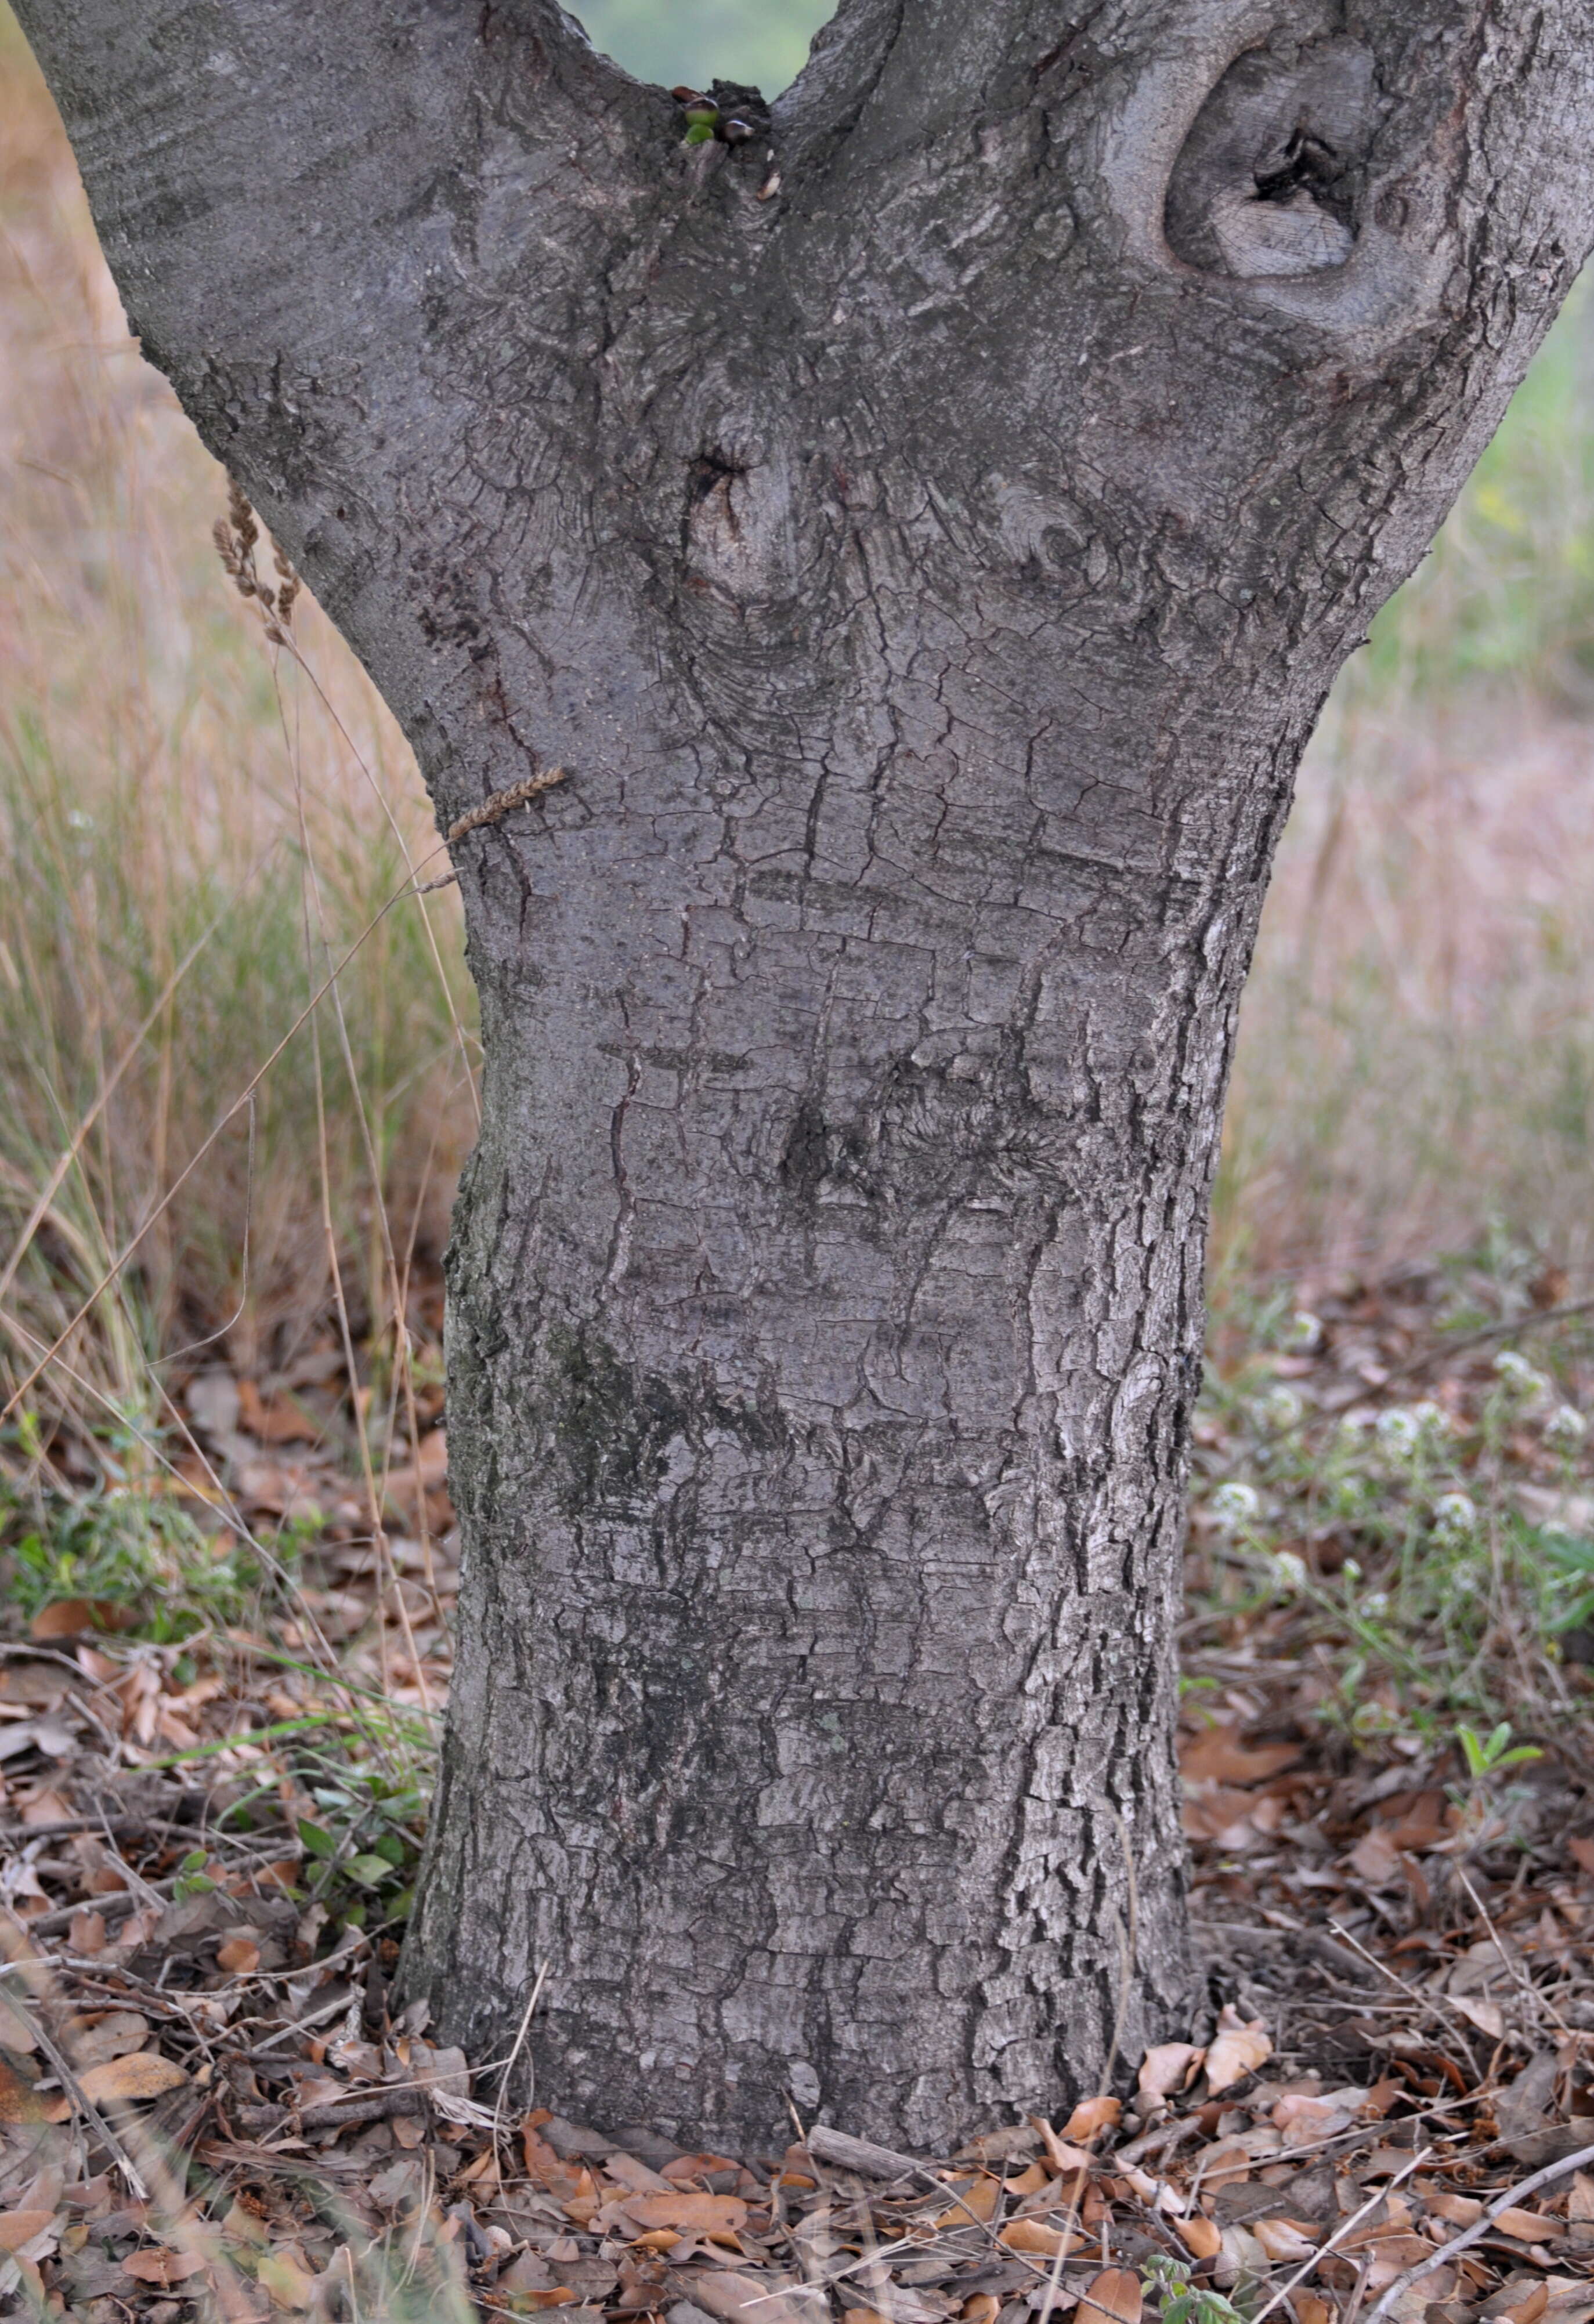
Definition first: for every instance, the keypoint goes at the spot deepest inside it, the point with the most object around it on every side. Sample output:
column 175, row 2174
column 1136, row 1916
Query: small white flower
column 1235, row 1505
column 1399, row 1429
column 1455, row 1516
column 1429, row 1417
column 1303, row 1334
column 1280, row 1409
column 1351, row 1569
column 1287, row 1569
column 77, row 820
column 1565, row 1428
column 1376, row 1601
column 1516, row 1372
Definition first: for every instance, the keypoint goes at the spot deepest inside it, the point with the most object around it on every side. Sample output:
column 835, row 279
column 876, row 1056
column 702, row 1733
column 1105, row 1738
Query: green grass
column 1432, row 1556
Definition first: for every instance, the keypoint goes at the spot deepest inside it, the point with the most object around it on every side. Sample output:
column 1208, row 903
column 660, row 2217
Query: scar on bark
column 711, row 483
column 1271, row 179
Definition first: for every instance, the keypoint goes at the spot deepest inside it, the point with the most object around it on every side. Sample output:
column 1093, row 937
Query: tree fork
column 926, row 536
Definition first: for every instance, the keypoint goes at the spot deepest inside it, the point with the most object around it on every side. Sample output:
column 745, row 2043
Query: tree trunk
column 925, row 533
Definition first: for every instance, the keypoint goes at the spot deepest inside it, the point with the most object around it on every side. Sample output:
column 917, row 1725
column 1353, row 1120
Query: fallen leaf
column 1154, row 2193
column 1089, row 2117
column 752, row 2299
column 1035, row 2236
column 1165, row 2069
column 688, row 2213
column 281, row 1421
column 287, row 2282
column 122, row 2081
column 69, row 1618
column 20, row 2102
column 1460, row 2210
column 1283, row 2239
column 981, row 2308
column 1113, row 2297
column 1311, row 2308
column 1484, row 2015
column 1580, row 2203
column 1583, row 1850
column 977, row 2199
column 1201, row 2236
column 1374, row 1858
column 1527, row 2227
column 1529, row 2309
column 164, row 2268
column 116, row 2035
column 1239, row 2049
column 238, row 1957
column 19, row 2227
column 1217, row 1756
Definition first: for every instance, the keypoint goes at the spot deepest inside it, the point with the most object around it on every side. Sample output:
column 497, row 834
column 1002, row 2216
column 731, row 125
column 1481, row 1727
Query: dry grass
column 1416, row 1057
column 191, row 832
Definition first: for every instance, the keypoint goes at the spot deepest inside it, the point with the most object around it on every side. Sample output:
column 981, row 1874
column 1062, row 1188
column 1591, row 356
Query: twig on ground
column 1507, row 2202
column 1342, row 2231
column 1518, row 1324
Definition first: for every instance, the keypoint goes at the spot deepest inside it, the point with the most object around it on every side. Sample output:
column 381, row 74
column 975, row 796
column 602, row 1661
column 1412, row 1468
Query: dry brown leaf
column 1035, row 2236
column 1088, row 2119
column 981, row 2308
column 87, row 1935
column 70, row 1617
column 1388, row 2257
column 19, row 2227
column 114, row 2034
column 1113, row 2297
column 1484, row 2015
column 20, row 2102
column 1529, row 2309
column 688, row 2167
column 737, row 2299
column 978, row 2198
column 558, row 2295
column 164, row 2268
column 1284, row 2239
column 1238, row 2051
column 1200, row 2236
column 1580, row 2202
column 239, row 1957
column 1374, row 1858
column 688, row 2212
column 1165, row 2069
column 1460, row 2210
column 1527, row 2227
column 281, row 1421
column 122, row 2081
column 1217, row 1756
column 1311, row 2308
column 1583, row 1850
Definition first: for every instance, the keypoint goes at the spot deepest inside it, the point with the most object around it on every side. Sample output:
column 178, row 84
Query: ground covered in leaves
column 217, row 1703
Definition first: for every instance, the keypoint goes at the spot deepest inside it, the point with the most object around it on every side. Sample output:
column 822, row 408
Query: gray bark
column 929, row 569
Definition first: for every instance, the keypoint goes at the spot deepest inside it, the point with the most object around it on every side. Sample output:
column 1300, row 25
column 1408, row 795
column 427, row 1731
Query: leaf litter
column 211, row 2104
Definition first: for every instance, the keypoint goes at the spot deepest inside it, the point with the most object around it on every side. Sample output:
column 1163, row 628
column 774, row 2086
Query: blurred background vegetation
column 195, row 827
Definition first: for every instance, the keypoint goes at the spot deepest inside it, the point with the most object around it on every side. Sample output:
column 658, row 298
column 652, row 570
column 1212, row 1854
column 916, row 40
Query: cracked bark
column 929, row 572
